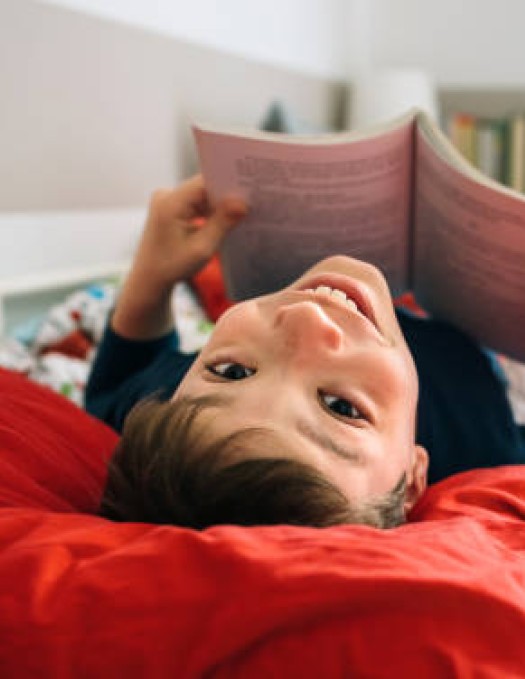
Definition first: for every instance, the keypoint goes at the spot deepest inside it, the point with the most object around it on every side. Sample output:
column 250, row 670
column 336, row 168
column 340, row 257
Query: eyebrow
column 322, row 439
column 318, row 437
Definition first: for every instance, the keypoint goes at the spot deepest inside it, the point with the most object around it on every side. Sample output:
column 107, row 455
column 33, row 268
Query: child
column 303, row 407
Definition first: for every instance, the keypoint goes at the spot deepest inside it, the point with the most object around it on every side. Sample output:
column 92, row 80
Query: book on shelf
column 491, row 148
column 463, row 133
column 399, row 196
column 496, row 146
column 516, row 178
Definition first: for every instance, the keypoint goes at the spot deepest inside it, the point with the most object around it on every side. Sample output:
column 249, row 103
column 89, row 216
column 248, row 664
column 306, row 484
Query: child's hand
column 173, row 247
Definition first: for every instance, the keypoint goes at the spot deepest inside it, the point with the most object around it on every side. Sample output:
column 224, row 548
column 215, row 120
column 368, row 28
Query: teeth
column 339, row 294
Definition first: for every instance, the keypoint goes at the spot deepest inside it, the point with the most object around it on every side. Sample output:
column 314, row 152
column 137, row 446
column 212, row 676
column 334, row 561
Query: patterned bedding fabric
column 58, row 348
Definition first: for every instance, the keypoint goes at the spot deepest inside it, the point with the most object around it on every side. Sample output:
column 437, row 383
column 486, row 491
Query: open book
column 399, row 196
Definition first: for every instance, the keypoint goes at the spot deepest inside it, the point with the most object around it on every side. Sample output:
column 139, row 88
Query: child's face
column 333, row 387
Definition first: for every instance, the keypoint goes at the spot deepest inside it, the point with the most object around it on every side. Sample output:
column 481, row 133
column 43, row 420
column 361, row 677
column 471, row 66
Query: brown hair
column 163, row 471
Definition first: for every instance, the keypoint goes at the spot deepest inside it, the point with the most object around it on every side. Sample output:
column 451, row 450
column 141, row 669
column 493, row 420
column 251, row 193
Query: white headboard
column 45, row 254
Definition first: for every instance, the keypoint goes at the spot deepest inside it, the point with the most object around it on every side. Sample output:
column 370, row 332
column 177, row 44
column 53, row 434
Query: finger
column 226, row 216
column 189, row 199
column 191, row 184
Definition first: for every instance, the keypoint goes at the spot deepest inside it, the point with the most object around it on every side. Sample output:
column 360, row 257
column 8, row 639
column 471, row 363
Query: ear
column 417, row 479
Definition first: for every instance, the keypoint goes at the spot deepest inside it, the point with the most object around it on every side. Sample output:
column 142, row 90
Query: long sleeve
column 464, row 418
column 125, row 371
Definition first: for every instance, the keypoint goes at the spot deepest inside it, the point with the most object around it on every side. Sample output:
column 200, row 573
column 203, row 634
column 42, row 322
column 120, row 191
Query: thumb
column 225, row 216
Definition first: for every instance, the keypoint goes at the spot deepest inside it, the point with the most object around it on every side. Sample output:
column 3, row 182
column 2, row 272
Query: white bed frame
column 29, row 292
column 43, row 255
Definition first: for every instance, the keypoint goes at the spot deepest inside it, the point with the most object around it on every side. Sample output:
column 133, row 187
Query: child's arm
column 171, row 249
column 129, row 362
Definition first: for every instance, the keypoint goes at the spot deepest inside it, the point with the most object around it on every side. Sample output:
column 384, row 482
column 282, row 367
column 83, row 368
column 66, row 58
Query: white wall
column 306, row 35
column 96, row 113
column 460, row 42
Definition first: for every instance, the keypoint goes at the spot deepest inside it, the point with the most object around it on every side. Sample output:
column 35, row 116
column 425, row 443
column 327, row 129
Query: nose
column 305, row 325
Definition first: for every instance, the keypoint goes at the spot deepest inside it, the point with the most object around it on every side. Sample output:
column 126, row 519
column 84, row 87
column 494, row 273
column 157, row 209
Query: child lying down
column 317, row 405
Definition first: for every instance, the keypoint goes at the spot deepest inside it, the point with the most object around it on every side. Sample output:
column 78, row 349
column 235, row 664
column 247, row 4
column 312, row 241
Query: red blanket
column 443, row 596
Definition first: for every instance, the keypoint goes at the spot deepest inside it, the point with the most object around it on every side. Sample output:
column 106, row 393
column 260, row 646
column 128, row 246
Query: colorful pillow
column 82, row 596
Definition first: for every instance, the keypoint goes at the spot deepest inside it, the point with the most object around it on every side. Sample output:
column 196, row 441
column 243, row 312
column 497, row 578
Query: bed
column 442, row 596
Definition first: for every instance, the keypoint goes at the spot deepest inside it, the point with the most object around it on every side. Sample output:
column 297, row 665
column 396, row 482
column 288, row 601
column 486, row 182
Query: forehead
column 378, row 455
column 222, row 416
column 219, row 420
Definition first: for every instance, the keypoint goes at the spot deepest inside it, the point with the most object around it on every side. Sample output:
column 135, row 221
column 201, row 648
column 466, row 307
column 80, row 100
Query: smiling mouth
column 343, row 290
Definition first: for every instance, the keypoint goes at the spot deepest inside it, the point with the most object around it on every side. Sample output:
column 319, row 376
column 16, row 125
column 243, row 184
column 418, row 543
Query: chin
column 354, row 268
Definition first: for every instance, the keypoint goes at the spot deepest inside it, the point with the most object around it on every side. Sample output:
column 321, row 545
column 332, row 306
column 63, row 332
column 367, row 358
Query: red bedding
column 443, row 596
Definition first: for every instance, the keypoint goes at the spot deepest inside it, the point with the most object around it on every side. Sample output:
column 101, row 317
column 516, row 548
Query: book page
column 444, row 147
column 470, row 252
column 311, row 200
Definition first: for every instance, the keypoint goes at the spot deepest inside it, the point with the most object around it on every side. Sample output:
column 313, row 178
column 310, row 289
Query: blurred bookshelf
column 488, row 128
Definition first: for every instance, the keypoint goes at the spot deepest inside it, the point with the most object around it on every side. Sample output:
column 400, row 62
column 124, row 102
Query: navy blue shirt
column 464, row 419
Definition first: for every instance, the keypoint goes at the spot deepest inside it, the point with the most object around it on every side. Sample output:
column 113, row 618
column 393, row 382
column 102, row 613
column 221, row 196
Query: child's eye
column 342, row 407
column 231, row 371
